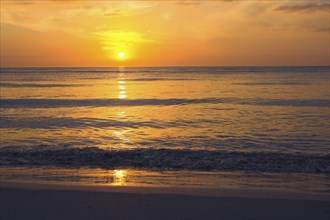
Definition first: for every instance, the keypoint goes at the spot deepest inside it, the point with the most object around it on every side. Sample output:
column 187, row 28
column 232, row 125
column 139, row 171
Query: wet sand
column 40, row 201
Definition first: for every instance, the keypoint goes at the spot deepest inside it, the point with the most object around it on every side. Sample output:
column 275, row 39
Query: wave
column 37, row 85
column 44, row 85
column 159, row 79
column 169, row 70
column 272, row 83
column 55, row 85
column 50, row 103
column 67, row 122
column 168, row 159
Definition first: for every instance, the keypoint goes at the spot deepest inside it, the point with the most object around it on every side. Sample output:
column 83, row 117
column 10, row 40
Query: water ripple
column 50, row 103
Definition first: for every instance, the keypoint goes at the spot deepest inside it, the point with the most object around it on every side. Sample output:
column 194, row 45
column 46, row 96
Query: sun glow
column 121, row 55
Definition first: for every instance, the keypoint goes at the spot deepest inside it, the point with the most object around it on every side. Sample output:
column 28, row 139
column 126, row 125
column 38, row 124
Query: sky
column 164, row 33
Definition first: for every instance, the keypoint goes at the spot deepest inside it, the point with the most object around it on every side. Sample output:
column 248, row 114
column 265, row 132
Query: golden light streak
column 119, row 177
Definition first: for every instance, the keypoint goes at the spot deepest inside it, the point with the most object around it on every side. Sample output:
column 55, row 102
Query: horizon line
column 169, row 66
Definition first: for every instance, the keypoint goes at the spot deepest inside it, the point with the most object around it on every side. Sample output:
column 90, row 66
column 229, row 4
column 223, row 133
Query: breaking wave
column 168, row 159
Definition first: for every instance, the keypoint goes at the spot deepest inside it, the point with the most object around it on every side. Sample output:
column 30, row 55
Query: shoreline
column 60, row 201
column 190, row 191
column 287, row 182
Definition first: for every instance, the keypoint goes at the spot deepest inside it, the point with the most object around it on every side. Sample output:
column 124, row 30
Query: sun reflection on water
column 119, row 177
column 121, row 90
column 122, row 134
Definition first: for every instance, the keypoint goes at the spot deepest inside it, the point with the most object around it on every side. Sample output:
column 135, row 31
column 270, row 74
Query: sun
column 121, row 55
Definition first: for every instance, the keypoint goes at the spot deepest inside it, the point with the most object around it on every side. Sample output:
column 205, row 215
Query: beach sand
column 41, row 201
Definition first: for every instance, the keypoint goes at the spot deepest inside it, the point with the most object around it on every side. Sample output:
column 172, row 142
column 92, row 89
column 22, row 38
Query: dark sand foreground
column 33, row 201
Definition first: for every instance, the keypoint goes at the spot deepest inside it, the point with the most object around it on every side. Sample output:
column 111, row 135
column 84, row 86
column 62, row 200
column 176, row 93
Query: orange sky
column 164, row 33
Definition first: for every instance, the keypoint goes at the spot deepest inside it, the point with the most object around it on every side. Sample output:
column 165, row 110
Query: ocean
column 250, row 127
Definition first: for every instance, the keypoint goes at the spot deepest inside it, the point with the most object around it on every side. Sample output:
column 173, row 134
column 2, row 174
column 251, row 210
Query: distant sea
column 210, row 121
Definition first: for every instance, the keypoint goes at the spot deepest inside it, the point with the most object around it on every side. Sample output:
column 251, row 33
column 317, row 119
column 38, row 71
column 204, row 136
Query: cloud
column 198, row 2
column 325, row 29
column 307, row 8
column 22, row 2
column 188, row 3
column 113, row 14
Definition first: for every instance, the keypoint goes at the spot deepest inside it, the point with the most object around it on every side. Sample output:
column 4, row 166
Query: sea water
column 210, row 121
